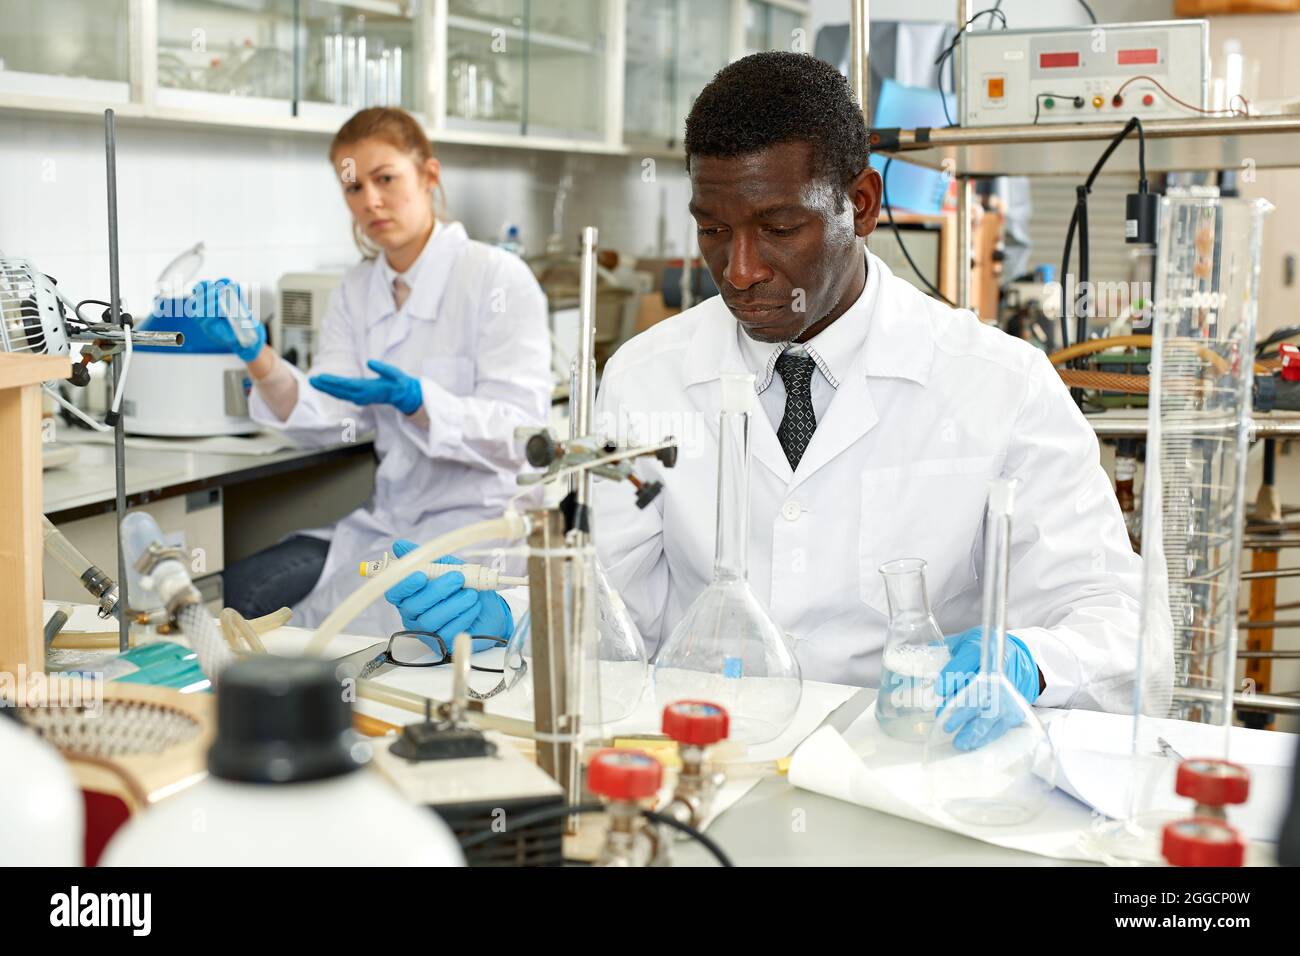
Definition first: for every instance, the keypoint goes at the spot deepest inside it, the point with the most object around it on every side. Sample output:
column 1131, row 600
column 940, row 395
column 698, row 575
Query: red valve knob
column 696, row 722
column 624, row 774
column 1202, row 842
column 1290, row 356
column 1213, row 782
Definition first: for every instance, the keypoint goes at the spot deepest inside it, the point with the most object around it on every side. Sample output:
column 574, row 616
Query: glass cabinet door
column 486, row 64
column 673, row 49
column 566, row 68
column 530, row 67
column 771, row 26
column 73, row 48
column 358, row 55
column 226, row 56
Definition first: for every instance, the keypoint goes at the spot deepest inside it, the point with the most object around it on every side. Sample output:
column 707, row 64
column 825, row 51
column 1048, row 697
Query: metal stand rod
column 119, row 431
column 860, row 55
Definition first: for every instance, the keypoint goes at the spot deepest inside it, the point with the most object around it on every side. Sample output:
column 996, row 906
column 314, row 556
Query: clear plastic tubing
column 63, row 551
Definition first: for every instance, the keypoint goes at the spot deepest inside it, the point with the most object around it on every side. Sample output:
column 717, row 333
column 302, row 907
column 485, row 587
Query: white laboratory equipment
column 727, row 648
column 300, row 310
column 288, row 785
column 1005, row 781
column 41, row 818
column 914, row 654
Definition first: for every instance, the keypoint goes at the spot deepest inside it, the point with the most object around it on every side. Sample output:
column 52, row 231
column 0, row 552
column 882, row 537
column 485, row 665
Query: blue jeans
column 280, row 576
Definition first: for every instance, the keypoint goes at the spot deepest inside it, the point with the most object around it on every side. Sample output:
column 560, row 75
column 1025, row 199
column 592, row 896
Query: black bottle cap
column 283, row 720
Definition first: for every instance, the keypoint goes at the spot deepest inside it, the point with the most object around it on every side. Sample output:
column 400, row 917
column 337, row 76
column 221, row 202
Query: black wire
column 1079, row 222
column 889, row 211
column 1038, row 102
column 555, row 813
column 948, row 52
column 77, row 308
column 694, row 834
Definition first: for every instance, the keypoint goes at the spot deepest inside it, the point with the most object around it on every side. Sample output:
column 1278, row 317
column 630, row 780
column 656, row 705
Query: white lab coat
column 936, row 404
column 474, row 329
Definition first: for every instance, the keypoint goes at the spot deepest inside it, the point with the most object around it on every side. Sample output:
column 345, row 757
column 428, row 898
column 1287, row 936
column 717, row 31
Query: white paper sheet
column 871, row 769
column 867, row 767
column 1097, row 766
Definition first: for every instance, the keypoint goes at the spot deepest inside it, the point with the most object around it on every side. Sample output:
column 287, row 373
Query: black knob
column 80, row 375
column 668, row 456
column 540, row 450
column 648, row 492
column 283, row 720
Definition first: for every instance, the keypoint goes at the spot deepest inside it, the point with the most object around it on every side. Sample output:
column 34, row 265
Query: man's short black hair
column 778, row 97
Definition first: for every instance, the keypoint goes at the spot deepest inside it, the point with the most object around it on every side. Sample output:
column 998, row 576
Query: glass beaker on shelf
column 727, row 649
column 914, row 654
column 1003, row 776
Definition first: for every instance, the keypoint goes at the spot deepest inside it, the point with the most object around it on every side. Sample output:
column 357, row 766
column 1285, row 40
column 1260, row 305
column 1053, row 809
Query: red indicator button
column 1148, row 100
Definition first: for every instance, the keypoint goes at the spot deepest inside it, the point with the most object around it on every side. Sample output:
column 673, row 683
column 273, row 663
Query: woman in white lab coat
column 435, row 343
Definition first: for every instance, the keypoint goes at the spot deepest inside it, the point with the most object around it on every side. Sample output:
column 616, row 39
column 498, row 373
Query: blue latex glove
column 445, row 606
column 976, row 725
column 393, row 387
column 207, row 304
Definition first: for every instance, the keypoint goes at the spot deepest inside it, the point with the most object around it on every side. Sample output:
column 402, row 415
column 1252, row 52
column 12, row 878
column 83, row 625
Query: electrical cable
column 1243, row 110
column 77, row 308
column 1081, row 201
column 948, row 52
column 707, row 842
column 1038, row 102
column 556, row 813
column 898, row 235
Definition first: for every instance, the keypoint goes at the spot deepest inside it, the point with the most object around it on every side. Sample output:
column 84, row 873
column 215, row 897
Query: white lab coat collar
column 834, row 349
column 885, row 342
column 427, row 277
column 898, row 343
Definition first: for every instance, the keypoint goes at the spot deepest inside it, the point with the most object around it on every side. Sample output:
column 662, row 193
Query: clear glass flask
column 1194, row 504
column 727, row 650
column 618, row 670
column 1007, row 780
column 914, row 654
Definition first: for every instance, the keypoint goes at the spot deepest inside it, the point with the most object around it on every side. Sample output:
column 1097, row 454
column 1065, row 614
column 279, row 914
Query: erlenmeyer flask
column 618, row 677
column 914, row 654
column 1007, row 780
column 727, row 649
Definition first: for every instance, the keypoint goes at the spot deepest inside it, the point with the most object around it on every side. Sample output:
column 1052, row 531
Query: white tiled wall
column 267, row 203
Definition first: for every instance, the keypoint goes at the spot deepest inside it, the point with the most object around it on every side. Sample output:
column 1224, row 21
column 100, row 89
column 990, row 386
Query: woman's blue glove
column 208, row 303
column 980, row 723
column 393, row 387
column 446, row 607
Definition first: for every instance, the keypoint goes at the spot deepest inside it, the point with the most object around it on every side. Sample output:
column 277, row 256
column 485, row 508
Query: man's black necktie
column 799, row 421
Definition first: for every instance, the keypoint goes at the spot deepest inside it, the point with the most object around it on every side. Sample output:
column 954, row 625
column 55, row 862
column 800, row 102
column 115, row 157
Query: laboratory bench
column 218, row 506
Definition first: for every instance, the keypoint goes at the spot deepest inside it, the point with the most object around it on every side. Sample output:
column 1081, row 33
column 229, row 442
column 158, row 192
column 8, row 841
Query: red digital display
column 1048, row 61
column 1139, row 57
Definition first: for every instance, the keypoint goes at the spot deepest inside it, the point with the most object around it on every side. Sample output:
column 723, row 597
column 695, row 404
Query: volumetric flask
column 727, row 650
column 988, row 759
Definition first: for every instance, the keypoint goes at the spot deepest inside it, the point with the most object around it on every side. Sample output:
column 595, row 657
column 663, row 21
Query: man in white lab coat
column 884, row 414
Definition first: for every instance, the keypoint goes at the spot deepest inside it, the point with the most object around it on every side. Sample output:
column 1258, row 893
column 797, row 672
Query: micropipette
column 477, row 577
